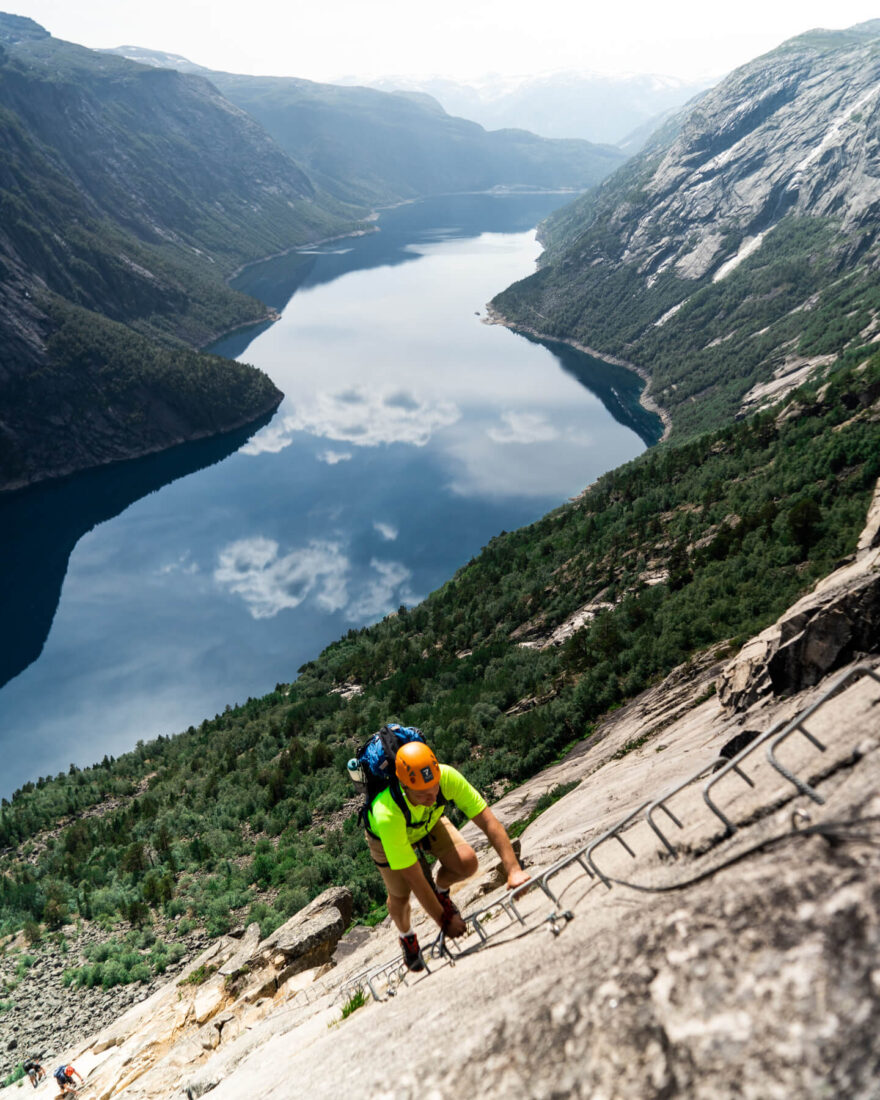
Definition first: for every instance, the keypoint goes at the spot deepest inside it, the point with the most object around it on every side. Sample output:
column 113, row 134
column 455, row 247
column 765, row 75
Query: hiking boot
column 450, row 909
column 412, row 954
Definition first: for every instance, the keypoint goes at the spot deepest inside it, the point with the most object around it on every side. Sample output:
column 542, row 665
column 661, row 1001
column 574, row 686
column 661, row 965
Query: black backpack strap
column 397, row 795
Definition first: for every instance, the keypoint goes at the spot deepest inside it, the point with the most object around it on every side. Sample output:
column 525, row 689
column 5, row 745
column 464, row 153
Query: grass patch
column 631, row 746
column 354, row 1003
column 199, row 975
column 544, row 803
column 16, row 1075
column 374, row 917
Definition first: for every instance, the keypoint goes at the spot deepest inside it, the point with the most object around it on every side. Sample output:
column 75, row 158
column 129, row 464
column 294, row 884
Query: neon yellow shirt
column 388, row 823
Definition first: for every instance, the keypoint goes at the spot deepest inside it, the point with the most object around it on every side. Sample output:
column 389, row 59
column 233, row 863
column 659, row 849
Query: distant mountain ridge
column 366, row 145
column 742, row 245
column 571, row 104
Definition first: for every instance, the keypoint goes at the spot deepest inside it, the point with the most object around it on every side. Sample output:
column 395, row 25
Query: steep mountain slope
column 127, row 194
column 365, row 145
column 248, row 816
column 740, row 968
column 741, row 246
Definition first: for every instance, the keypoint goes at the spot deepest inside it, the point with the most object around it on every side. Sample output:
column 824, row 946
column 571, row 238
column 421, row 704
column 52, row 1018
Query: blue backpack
column 374, row 772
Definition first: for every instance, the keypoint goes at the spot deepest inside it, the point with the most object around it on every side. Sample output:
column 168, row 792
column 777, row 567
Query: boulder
column 243, row 956
column 824, row 630
column 310, row 936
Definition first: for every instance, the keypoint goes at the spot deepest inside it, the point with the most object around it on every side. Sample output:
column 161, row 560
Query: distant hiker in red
column 64, row 1075
column 408, row 815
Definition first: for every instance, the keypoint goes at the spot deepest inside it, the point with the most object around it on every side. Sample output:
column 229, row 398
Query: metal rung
column 733, row 765
column 613, row 832
column 797, row 725
column 660, row 803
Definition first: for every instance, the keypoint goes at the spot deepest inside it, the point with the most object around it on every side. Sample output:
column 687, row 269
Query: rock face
column 776, row 166
column 148, row 1049
column 785, row 133
column 821, row 632
column 47, row 1015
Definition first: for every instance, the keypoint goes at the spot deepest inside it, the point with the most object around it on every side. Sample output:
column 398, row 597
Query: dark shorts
column 444, row 837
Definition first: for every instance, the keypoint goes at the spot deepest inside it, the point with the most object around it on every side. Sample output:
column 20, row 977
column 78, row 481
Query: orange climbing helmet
column 416, row 766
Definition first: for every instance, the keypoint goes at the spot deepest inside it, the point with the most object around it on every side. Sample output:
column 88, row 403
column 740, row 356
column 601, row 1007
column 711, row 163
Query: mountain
column 739, row 251
column 365, row 145
column 705, row 595
column 128, row 194
column 568, row 104
column 762, row 928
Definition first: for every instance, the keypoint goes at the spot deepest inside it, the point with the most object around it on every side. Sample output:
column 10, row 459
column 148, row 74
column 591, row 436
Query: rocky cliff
column 740, row 248
column 724, row 952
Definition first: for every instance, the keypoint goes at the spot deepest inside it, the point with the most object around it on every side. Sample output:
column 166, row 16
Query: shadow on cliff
column 43, row 524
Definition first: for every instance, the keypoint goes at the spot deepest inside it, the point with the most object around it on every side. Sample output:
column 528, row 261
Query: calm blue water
column 142, row 599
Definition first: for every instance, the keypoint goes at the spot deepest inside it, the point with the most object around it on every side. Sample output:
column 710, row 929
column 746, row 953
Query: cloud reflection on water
column 270, row 582
column 524, row 427
column 383, row 593
column 252, row 568
column 358, row 416
column 333, row 458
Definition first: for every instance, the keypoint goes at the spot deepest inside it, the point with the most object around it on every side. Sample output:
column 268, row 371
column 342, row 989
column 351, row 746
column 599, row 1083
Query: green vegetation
column 200, row 975
column 11, row 1078
column 109, row 361
column 546, row 800
column 136, row 958
column 631, row 746
column 356, row 1001
column 800, row 294
column 192, row 192
column 251, row 814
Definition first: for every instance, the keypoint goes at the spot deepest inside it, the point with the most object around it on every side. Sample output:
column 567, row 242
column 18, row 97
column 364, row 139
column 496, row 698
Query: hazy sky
column 326, row 39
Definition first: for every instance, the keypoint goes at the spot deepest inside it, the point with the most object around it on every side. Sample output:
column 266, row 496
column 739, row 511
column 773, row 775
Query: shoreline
column 273, row 315
column 649, row 403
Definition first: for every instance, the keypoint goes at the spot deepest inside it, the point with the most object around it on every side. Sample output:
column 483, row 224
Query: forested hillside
column 127, row 195
column 741, row 247
column 250, row 814
column 369, row 146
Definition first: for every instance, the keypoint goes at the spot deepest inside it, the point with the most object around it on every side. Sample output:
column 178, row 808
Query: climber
column 427, row 787
column 64, row 1075
column 34, row 1070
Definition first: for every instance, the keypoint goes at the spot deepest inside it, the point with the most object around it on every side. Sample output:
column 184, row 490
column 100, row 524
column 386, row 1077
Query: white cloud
column 386, row 530
column 252, row 569
column 270, row 440
column 182, row 565
column 361, row 417
column 383, row 594
column 523, row 427
column 333, row 457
